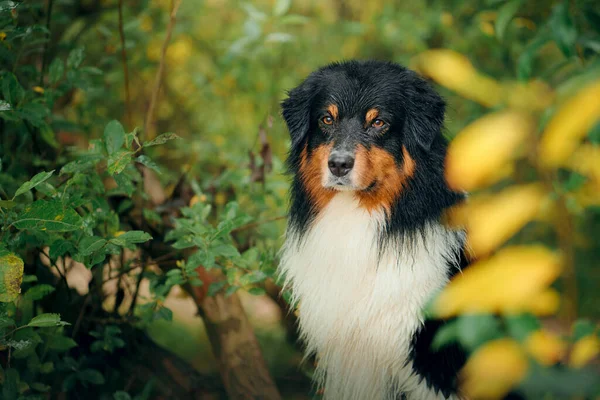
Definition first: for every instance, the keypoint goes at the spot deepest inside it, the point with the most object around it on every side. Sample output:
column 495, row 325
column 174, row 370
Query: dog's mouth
column 346, row 184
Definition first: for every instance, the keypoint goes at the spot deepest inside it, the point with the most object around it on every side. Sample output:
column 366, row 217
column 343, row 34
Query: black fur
column 414, row 113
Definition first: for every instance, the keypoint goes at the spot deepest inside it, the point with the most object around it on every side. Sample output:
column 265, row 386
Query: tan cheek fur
column 378, row 166
column 311, row 174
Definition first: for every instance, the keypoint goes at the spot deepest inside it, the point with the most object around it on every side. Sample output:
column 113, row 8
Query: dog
column 365, row 247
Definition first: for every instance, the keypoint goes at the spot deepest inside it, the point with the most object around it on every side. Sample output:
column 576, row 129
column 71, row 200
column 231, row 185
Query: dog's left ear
column 425, row 111
column 296, row 111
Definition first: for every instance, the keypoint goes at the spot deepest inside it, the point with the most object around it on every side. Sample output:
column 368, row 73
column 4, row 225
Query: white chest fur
column 357, row 311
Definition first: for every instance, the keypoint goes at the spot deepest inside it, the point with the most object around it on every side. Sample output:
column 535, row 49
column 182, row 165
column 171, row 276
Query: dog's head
column 370, row 127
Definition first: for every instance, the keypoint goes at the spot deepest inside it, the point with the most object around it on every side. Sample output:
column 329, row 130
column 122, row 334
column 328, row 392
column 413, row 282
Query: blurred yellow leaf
column 507, row 282
column 484, row 149
column 534, row 95
column 544, row 303
column 570, row 124
column 584, row 351
column 494, row 369
column 493, row 219
column 545, row 347
column 455, row 71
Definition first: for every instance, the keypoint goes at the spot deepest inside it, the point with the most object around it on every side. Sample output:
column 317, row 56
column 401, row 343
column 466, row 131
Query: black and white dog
column 365, row 248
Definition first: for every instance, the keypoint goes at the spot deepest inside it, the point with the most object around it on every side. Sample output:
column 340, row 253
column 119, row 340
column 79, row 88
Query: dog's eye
column 327, row 120
column 377, row 123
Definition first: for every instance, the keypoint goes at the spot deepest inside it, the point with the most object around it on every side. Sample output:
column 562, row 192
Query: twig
column 46, row 44
column 161, row 67
column 137, row 287
column 125, row 68
column 81, row 313
column 258, row 223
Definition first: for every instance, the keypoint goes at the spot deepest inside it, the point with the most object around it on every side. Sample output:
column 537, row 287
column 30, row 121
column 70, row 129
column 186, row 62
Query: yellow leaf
column 194, row 200
column 569, row 125
column 544, row 303
column 533, row 95
column 507, row 282
column 545, row 347
column 494, row 219
column 455, row 71
column 119, row 233
column 584, row 351
column 494, row 369
column 38, row 89
column 2, row 35
column 484, row 149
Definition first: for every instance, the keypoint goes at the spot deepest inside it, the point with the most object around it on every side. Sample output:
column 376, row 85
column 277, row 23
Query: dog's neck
column 359, row 307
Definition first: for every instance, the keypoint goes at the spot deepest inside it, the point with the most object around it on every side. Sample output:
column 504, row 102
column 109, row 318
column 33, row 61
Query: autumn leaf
column 455, row 71
column 494, row 369
column 545, row 347
column 11, row 276
column 584, row 351
column 482, row 152
column 506, row 282
column 490, row 220
column 570, row 124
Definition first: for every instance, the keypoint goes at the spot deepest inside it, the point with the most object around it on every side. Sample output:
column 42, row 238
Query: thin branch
column 161, row 67
column 137, row 287
column 258, row 223
column 47, row 43
column 125, row 68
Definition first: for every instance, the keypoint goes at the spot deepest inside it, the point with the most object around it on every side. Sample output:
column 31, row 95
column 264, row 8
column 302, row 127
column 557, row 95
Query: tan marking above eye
column 333, row 111
column 371, row 115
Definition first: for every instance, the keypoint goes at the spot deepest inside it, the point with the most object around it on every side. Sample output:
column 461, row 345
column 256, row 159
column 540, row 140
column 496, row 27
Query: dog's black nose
column 340, row 165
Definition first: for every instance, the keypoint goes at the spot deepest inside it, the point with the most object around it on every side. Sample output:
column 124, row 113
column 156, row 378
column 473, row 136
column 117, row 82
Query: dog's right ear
column 296, row 110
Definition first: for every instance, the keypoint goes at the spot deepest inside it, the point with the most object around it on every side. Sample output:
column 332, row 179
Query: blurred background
column 522, row 83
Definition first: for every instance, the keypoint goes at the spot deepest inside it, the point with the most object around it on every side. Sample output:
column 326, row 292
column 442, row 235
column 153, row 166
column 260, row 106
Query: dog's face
column 362, row 127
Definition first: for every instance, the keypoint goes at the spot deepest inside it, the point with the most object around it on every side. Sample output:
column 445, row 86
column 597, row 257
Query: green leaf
column 583, row 328
column 121, row 395
column 75, row 58
column 36, row 180
column 11, row 276
column 12, row 91
column 47, row 367
column 521, row 326
column 61, row 343
column 8, row 204
column 130, row 238
column 294, row 19
column 563, row 29
column 114, row 136
column 48, row 215
column 447, row 334
column 225, row 250
column 145, row 160
column 215, row 287
column 525, row 60
column 56, row 71
column 92, row 376
column 59, row 248
column 38, row 292
column 161, row 139
column 257, row 291
column 574, row 182
column 505, row 15
column 281, row 7
column 474, row 330
column 253, row 277
column 40, row 387
column 46, row 320
column 90, row 245
column 118, row 161
column 231, row 290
